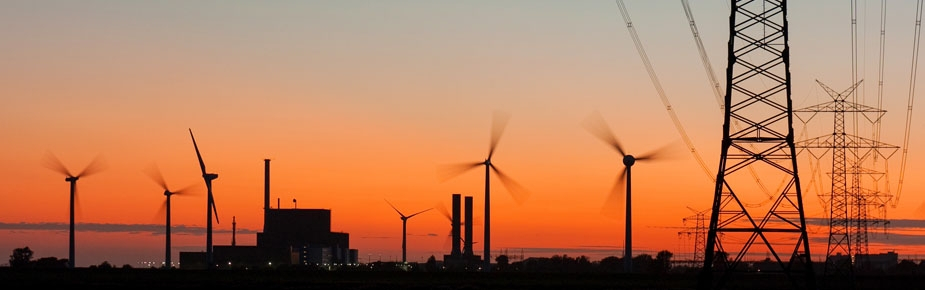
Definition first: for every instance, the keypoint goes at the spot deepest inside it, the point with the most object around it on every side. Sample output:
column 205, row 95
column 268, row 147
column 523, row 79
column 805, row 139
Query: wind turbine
column 404, row 230
column 210, row 207
column 597, row 126
column 155, row 174
column 499, row 122
column 55, row 164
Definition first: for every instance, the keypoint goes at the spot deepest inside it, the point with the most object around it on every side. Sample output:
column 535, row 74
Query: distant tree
column 502, row 262
column 643, row 263
column 127, row 266
column 662, row 262
column 21, row 257
column 105, row 265
column 611, row 264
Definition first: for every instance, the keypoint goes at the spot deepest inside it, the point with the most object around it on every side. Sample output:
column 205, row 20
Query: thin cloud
column 116, row 228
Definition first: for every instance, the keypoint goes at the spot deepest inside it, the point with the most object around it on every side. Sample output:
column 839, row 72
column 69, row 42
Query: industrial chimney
column 467, row 248
column 456, row 224
column 266, row 191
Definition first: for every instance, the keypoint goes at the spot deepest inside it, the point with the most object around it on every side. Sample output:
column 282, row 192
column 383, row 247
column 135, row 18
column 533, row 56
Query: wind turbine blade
column 499, row 122
column 155, row 174
column 94, row 167
column 188, row 190
column 52, row 162
column 202, row 165
column 442, row 208
column 596, row 125
column 517, row 191
column 420, row 212
column 396, row 210
column 446, row 172
column 660, row 153
column 215, row 211
column 616, row 200
column 161, row 214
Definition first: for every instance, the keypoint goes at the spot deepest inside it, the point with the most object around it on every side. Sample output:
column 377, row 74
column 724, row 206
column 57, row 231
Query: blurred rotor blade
column 396, row 210
column 517, row 191
column 420, row 212
column 596, row 125
column 499, row 122
column 188, row 190
column 52, row 162
column 155, row 174
column 94, row 167
column 663, row 152
column 614, row 206
column 202, row 165
column 442, row 208
column 161, row 214
column 446, row 172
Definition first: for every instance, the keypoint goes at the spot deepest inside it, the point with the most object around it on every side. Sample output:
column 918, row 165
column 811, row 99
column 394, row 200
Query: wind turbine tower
column 210, row 206
column 55, row 164
column 757, row 94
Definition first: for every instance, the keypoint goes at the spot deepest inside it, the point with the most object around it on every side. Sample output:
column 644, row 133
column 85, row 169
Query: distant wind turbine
column 499, row 122
column 404, row 230
column 155, row 175
column 95, row 166
column 597, row 126
column 210, row 207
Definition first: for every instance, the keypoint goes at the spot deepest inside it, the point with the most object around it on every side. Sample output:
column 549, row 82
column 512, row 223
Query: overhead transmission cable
column 912, row 78
column 714, row 83
column 661, row 92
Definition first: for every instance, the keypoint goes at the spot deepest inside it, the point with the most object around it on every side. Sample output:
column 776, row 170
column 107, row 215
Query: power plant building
column 290, row 237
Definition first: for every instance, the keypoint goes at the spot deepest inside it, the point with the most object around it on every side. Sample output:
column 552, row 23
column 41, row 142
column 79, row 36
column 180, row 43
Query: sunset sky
column 359, row 102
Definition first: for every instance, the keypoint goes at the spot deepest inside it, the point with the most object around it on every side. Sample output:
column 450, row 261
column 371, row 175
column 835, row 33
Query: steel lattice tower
column 758, row 98
column 848, row 200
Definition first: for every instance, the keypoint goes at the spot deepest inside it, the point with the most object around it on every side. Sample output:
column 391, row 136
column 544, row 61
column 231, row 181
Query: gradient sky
column 359, row 102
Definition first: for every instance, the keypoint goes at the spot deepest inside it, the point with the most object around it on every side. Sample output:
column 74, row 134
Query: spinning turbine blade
column 518, row 192
column 614, row 206
column 660, row 153
column 52, row 162
column 596, row 125
column 94, row 167
column 499, row 122
column 446, row 172
column 155, row 174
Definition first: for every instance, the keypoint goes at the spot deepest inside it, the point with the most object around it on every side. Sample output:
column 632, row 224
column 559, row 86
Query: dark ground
column 86, row 278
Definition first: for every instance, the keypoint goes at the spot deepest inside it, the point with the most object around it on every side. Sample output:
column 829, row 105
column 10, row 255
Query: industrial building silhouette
column 290, row 237
column 464, row 260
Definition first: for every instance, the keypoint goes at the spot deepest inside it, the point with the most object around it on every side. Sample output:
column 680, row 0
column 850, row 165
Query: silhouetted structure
column 465, row 260
column 290, row 237
column 758, row 96
column 56, row 165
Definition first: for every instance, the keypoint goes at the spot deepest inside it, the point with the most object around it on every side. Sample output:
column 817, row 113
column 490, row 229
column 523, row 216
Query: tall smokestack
column 234, row 230
column 266, row 191
column 456, row 224
column 467, row 248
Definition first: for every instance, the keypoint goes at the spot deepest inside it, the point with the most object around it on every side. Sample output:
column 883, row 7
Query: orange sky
column 360, row 102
